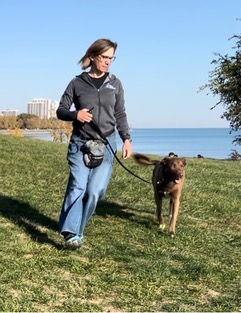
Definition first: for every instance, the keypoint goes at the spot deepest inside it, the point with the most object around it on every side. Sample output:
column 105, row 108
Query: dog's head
column 173, row 168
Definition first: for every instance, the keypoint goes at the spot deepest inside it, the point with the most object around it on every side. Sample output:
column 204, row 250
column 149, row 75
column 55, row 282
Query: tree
column 225, row 81
column 234, row 155
column 24, row 118
column 8, row 122
column 61, row 130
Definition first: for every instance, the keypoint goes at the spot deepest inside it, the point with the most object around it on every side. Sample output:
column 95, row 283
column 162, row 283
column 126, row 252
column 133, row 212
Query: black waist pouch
column 93, row 152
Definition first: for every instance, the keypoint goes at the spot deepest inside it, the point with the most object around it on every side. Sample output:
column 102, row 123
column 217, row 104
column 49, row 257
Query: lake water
column 209, row 142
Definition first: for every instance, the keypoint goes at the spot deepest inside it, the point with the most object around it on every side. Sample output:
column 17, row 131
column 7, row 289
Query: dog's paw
column 162, row 227
column 171, row 234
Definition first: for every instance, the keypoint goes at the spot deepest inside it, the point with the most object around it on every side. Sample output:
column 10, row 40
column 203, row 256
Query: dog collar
column 163, row 193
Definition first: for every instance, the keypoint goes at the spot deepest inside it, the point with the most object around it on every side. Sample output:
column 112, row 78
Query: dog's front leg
column 174, row 207
column 171, row 208
column 159, row 214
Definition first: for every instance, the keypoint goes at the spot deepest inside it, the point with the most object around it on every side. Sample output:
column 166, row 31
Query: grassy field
column 125, row 264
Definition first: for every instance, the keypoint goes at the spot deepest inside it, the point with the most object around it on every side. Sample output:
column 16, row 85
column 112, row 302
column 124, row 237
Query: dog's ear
column 164, row 161
column 184, row 161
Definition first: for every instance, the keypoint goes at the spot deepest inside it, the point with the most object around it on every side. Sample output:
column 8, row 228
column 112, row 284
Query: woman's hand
column 84, row 116
column 126, row 149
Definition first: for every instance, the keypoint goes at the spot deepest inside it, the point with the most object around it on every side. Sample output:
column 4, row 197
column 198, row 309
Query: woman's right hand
column 84, row 116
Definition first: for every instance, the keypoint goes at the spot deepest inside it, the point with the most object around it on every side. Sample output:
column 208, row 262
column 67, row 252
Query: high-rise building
column 9, row 112
column 43, row 108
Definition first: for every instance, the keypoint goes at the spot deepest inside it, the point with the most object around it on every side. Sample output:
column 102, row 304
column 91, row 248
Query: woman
column 98, row 98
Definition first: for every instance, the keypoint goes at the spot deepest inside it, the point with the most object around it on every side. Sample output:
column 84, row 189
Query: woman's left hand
column 126, row 149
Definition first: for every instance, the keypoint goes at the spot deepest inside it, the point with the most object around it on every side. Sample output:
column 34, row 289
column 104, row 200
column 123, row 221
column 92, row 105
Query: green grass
column 126, row 264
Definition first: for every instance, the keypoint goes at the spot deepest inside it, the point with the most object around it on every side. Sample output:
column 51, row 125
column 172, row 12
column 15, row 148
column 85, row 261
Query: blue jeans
column 85, row 187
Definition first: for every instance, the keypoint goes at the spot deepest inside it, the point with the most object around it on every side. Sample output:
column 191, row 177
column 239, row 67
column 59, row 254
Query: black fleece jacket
column 109, row 111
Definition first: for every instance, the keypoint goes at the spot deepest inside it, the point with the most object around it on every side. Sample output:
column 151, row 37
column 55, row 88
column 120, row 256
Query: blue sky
column 164, row 54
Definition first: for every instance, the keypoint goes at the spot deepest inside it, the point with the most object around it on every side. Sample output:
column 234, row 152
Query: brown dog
column 167, row 179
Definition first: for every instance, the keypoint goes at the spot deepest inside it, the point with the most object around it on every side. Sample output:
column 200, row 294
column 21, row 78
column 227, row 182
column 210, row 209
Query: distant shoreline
column 210, row 143
column 26, row 131
column 36, row 131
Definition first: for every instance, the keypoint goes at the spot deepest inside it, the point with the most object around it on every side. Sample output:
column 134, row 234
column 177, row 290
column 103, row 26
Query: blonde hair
column 98, row 47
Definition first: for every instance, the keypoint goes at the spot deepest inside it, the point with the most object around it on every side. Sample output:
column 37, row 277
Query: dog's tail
column 143, row 159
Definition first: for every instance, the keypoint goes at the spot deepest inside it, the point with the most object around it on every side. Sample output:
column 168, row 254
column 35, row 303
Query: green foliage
column 225, row 81
column 26, row 120
column 8, row 122
column 25, row 116
column 125, row 264
column 234, row 155
column 60, row 130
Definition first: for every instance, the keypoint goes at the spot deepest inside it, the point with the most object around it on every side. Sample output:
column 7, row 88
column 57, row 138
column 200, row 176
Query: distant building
column 43, row 108
column 9, row 112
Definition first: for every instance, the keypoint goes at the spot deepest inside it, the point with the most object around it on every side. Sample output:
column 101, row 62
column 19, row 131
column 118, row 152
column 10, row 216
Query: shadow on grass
column 28, row 218
column 106, row 209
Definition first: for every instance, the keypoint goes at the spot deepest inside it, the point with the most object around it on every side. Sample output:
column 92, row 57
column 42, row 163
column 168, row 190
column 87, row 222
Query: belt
column 82, row 136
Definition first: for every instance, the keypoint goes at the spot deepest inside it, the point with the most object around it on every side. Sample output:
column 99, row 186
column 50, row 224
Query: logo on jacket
column 110, row 86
